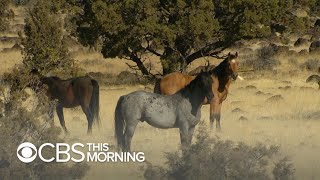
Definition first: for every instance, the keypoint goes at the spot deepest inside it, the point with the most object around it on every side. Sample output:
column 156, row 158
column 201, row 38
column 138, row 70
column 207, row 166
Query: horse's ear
column 229, row 54
column 236, row 54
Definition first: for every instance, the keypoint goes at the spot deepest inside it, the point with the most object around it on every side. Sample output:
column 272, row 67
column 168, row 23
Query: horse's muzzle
column 234, row 76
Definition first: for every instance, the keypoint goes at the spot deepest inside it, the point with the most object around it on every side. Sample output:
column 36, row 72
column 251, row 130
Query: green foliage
column 177, row 31
column 4, row 15
column 44, row 48
column 300, row 24
column 212, row 158
column 305, row 3
column 24, row 121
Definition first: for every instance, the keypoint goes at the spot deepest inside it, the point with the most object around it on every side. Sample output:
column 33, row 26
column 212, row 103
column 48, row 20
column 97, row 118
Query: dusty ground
column 290, row 119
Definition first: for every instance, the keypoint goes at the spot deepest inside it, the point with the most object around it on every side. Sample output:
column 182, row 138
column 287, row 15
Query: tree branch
column 153, row 51
column 148, row 48
column 134, row 57
column 206, row 51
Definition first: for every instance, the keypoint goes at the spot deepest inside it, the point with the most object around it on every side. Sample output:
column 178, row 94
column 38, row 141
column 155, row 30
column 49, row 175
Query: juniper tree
column 4, row 15
column 43, row 40
column 178, row 31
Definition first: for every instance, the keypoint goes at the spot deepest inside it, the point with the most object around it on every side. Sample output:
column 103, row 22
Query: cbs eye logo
column 24, row 152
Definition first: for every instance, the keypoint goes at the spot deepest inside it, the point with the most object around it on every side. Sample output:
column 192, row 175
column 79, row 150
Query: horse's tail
column 119, row 124
column 94, row 104
column 157, row 86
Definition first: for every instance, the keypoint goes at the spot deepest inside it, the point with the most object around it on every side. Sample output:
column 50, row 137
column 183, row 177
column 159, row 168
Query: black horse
column 73, row 92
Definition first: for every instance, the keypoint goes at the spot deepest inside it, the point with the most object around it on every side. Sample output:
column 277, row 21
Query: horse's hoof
column 67, row 133
column 89, row 133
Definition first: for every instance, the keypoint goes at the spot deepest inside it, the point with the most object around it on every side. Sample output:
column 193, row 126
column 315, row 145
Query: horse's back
column 79, row 90
column 173, row 82
column 158, row 110
column 139, row 99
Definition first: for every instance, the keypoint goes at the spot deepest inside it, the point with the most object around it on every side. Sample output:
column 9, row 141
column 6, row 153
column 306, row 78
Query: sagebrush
column 213, row 158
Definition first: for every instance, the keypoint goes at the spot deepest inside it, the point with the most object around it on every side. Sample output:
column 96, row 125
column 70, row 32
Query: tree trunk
column 140, row 64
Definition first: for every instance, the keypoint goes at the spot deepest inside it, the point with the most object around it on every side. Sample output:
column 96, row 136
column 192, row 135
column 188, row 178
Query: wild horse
column 222, row 76
column 70, row 93
column 180, row 110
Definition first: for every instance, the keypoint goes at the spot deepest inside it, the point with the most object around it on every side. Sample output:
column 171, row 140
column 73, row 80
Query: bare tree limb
column 133, row 56
column 206, row 51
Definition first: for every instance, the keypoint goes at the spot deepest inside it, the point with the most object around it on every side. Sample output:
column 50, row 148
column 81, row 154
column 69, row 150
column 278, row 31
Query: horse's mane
column 192, row 84
column 221, row 68
column 221, row 73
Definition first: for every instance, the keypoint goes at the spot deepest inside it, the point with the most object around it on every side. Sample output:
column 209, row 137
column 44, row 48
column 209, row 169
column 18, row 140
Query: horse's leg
column 184, row 136
column 59, row 109
column 130, row 128
column 89, row 116
column 215, row 111
column 50, row 113
column 217, row 115
column 214, row 102
column 212, row 109
column 190, row 134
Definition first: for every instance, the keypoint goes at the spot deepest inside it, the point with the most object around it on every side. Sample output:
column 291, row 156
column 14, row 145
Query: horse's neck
column 223, row 82
column 223, row 77
column 188, row 79
column 56, row 88
column 194, row 96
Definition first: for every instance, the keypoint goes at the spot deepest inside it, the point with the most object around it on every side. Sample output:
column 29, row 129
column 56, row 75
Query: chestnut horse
column 70, row 93
column 222, row 76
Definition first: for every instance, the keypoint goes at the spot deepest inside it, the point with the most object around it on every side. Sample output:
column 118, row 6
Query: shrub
column 212, row 158
column 311, row 64
column 23, row 122
column 264, row 58
column 4, row 15
column 43, row 41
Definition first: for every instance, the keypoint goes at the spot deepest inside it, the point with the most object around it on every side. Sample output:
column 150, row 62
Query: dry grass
column 292, row 122
column 9, row 60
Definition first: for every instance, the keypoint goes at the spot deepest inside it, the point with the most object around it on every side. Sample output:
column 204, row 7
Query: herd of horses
column 175, row 103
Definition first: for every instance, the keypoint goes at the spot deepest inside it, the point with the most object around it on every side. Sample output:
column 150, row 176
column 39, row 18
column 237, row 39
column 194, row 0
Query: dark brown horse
column 70, row 93
column 222, row 76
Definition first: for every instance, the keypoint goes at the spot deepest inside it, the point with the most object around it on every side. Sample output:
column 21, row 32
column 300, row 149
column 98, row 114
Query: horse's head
column 50, row 81
column 232, row 67
column 205, row 84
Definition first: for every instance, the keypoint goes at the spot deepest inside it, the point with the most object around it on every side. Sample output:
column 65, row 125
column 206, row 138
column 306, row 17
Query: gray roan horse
column 181, row 110
column 70, row 93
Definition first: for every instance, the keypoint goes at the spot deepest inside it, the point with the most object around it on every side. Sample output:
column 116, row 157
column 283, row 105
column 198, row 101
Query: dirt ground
column 284, row 112
column 266, row 108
